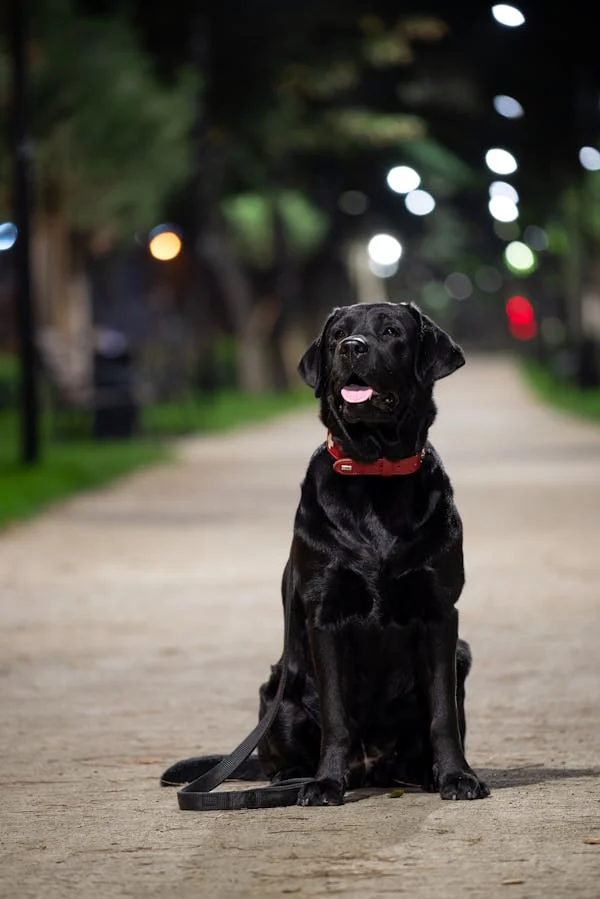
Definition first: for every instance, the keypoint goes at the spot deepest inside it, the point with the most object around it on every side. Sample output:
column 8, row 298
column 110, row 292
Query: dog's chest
column 373, row 573
column 380, row 544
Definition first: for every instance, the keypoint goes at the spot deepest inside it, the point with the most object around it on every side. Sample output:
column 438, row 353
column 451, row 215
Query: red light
column 523, row 331
column 520, row 314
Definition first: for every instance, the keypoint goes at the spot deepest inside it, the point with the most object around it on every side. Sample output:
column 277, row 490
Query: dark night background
column 262, row 134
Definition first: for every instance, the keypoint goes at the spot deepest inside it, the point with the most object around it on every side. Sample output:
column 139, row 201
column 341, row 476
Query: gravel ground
column 138, row 622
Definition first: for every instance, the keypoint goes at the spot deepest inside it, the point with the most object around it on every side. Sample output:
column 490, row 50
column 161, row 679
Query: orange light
column 520, row 312
column 165, row 246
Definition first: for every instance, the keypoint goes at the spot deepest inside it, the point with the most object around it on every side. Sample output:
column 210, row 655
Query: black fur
column 375, row 689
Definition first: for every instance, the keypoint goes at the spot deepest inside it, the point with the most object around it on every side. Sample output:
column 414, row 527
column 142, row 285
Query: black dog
column 375, row 685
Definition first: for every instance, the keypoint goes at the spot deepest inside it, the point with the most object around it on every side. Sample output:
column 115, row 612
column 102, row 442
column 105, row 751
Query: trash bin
column 115, row 406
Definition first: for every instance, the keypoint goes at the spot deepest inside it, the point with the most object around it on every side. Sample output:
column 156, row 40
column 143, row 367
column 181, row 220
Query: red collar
column 384, row 467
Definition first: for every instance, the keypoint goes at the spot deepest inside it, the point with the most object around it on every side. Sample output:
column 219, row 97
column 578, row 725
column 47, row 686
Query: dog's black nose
column 353, row 346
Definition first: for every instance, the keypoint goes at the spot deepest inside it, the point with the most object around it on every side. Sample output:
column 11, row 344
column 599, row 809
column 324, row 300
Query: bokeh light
column 553, row 330
column 504, row 189
column 8, row 236
column 508, row 107
column 383, row 271
column 353, row 202
column 503, row 209
column 402, row 179
column 589, row 157
column 523, row 332
column 435, row 296
column 488, row 279
column 458, row 286
column 521, row 318
column 383, row 249
column 520, row 258
column 519, row 310
column 508, row 15
column 164, row 243
column 500, row 161
column 419, row 202
column 536, row 238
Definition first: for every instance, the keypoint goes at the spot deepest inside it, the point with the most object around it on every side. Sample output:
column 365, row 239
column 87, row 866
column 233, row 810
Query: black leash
column 198, row 796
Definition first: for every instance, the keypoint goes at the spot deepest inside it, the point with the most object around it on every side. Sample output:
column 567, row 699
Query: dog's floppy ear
column 310, row 367
column 437, row 355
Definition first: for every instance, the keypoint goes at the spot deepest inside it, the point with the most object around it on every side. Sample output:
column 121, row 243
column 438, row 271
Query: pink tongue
column 355, row 394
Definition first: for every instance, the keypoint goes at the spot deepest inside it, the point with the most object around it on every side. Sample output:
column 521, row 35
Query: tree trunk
column 212, row 244
column 64, row 308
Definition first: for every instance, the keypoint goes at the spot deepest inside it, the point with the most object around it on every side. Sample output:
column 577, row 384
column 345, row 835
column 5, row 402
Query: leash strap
column 198, row 795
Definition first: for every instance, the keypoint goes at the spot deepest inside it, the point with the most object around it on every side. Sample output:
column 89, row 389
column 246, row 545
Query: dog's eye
column 339, row 334
column 389, row 332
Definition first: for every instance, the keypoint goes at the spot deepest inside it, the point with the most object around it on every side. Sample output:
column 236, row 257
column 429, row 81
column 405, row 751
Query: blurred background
column 187, row 188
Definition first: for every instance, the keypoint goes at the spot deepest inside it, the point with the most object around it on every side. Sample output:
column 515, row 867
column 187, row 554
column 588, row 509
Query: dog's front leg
column 456, row 780
column 330, row 781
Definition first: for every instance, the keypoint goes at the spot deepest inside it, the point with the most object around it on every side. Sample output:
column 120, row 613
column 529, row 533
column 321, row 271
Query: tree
column 109, row 146
column 302, row 105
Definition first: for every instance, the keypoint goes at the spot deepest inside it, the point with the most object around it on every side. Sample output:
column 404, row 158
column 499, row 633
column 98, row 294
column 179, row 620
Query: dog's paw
column 319, row 792
column 462, row 785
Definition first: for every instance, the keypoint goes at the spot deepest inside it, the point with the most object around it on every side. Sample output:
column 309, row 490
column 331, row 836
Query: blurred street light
column 384, row 249
column 508, row 15
column 503, row 209
column 520, row 258
column 419, row 202
column 519, row 310
column 8, row 236
column 589, row 157
column 508, row 107
column 504, row 189
column 521, row 318
column 402, row 179
column 501, row 162
column 164, row 243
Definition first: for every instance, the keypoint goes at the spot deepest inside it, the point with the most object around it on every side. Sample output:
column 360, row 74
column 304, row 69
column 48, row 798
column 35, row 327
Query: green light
column 520, row 258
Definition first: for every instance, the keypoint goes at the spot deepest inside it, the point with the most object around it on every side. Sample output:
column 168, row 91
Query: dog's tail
column 187, row 770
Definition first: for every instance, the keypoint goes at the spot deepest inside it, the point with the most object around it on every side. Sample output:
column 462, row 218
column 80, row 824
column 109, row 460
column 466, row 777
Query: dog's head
column 374, row 366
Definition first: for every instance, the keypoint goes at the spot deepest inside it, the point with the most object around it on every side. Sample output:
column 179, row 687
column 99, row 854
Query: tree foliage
column 110, row 140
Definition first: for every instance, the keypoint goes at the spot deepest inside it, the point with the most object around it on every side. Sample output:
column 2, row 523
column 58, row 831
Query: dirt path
column 129, row 639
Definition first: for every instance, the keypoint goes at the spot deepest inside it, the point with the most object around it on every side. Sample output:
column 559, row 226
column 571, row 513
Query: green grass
column 226, row 409
column 64, row 469
column 69, row 467
column 568, row 397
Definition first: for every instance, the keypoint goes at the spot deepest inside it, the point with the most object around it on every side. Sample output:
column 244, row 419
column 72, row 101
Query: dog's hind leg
column 463, row 666
column 291, row 746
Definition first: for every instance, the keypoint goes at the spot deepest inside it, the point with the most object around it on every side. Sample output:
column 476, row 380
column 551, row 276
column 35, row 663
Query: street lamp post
column 22, row 201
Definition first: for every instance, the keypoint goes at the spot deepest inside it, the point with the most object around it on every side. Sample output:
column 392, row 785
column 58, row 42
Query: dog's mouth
column 362, row 402
column 357, row 391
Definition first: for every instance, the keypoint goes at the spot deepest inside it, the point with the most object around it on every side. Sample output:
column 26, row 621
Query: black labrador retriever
column 376, row 676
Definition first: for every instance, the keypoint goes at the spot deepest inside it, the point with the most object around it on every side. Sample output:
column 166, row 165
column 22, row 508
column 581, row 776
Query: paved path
column 137, row 623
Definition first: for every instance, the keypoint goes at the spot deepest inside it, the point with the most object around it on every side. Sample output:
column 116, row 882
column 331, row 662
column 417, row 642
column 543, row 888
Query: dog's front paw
column 462, row 785
column 321, row 792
